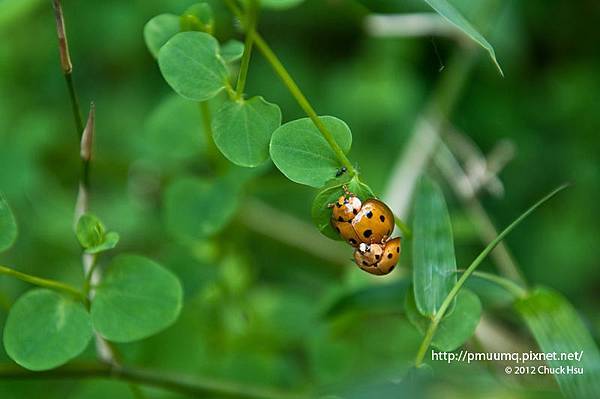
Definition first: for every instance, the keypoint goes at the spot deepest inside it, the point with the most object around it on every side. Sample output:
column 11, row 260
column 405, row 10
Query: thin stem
column 88, row 277
column 406, row 231
column 244, row 66
column 74, row 103
column 193, row 387
column 469, row 271
column 293, row 88
column 42, row 282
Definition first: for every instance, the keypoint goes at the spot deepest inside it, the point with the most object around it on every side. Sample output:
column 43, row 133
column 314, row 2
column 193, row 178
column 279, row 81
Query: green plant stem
column 88, row 277
column 293, row 88
column 245, row 63
column 469, row 271
column 76, row 109
column 193, row 387
column 515, row 289
column 406, row 231
column 42, row 282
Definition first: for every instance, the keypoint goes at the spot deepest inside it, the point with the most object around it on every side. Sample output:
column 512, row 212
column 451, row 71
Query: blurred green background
column 255, row 304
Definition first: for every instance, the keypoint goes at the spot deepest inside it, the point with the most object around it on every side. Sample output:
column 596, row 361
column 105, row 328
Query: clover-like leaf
column 321, row 212
column 92, row 235
column 199, row 208
column 447, row 10
column 136, row 299
column 90, row 231
column 45, row 329
column 159, row 30
column 198, row 17
column 303, row 155
column 232, row 50
column 8, row 226
column 191, row 64
column 434, row 263
column 455, row 328
column 242, row 130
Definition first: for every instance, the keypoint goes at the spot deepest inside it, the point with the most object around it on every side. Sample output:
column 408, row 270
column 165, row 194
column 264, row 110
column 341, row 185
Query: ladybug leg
column 384, row 239
column 331, row 205
column 347, row 192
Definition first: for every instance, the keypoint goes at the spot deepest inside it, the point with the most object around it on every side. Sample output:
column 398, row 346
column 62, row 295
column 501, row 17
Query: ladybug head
column 345, row 208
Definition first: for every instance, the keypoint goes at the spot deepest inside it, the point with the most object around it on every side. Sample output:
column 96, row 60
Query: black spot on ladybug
column 382, row 218
column 377, row 257
column 338, row 204
column 352, row 241
column 364, row 262
column 338, row 229
column 392, row 268
column 369, row 214
column 355, row 211
column 390, row 256
column 340, row 219
column 398, row 249
column 367, row 233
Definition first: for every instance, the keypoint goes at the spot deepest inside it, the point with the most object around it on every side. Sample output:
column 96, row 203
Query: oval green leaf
column 199, row 208
column 321, row 212
column 232, row 50
column 8, row 226
column 191, row 65
column 434, row 264
column 303, row 155
column 136, row 299
column 557, row 328
column 454, row 329
column 90, row 231
column 242, row 130
column 447, row 10
column 159, row 30
column 45, row 330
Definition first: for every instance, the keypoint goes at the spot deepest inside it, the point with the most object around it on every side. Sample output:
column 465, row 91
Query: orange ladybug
column 374, row 222
column 369, row 222
column 378, row 259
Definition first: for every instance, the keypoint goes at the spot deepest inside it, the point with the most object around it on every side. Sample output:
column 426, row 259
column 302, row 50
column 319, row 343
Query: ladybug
column 378, row 259
column 357, row 222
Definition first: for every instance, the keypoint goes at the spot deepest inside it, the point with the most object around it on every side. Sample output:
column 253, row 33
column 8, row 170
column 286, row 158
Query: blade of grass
column 469, row 271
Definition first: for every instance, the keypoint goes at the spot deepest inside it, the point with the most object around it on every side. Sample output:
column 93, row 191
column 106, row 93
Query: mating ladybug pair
column 367, row 227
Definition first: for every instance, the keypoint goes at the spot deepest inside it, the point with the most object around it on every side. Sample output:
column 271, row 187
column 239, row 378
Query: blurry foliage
column 253, row 309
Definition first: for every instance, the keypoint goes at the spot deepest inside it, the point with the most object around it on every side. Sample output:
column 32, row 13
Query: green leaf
column 92, row 235
column 198, row 17
column 242, row 130
column 376, row 298
column 447, row 10
column 303, row 155
column 455, row 328
column 159, row 30
column 232, row 50
column 434, row 264
column 174, row 132
column 136, row 299
column 321, row 212
column 280, row 4
column 557, row 328
column 8, row 226
column 191, row 65
column 45, row 330
column 111, row 239
column 90, row 231
column 199, row 208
